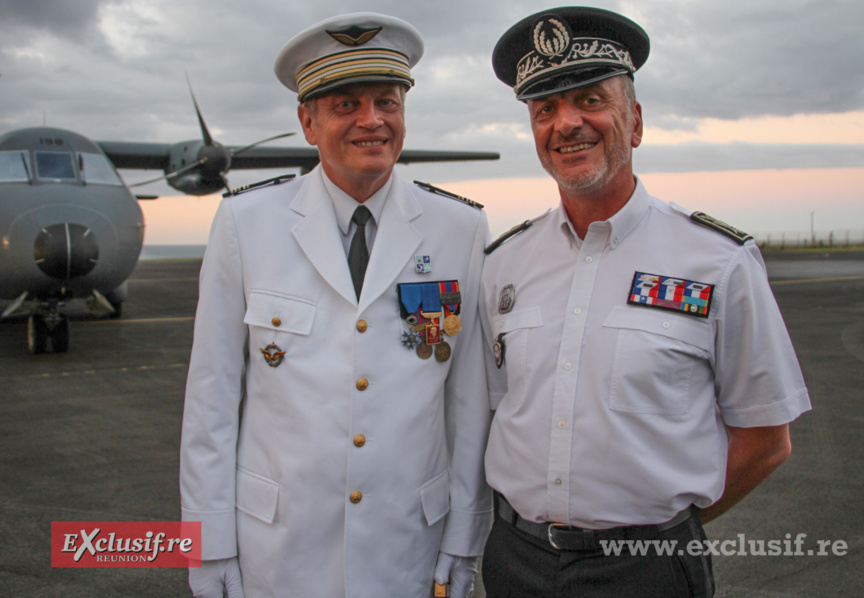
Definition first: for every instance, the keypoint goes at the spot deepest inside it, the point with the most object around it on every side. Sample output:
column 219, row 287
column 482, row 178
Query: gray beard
column 591, row 180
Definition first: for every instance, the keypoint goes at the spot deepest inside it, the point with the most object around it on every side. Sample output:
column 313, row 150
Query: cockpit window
column 95, row 168
column 56, row 166
column 14, row 166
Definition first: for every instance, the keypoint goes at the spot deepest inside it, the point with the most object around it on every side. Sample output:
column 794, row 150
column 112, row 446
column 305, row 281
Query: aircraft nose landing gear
column 48, row 332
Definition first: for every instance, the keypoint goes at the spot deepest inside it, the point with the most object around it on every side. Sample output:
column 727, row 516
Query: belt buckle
column 549, row 534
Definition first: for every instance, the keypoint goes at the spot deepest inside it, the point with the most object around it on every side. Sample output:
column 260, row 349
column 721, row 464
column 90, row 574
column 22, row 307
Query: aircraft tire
column 118, row 310
column 37, row 335
column 60, row 336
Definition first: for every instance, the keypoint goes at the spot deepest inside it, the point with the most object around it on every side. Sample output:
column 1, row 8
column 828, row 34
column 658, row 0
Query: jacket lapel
column 395, row 242
column 318, row 235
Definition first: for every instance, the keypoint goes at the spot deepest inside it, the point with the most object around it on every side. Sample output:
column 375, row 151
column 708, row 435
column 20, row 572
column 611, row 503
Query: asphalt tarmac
column 93, row 434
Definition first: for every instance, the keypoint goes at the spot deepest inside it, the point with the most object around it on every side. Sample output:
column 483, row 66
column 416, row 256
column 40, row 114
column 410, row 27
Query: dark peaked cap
column 568, row 47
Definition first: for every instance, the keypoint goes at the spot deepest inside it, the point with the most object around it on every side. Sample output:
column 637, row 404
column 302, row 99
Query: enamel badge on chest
column 422, row 264
column 506, row 299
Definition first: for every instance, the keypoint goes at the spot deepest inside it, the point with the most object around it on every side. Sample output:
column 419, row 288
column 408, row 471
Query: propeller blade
column 208, row 139
column 248, row 147
column 170, row 174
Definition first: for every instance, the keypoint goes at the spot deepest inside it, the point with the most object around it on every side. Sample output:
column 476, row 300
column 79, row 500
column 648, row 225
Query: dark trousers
column 519, row 565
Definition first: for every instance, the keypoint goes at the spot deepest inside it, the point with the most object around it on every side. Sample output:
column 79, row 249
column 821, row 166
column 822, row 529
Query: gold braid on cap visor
column 352, row 64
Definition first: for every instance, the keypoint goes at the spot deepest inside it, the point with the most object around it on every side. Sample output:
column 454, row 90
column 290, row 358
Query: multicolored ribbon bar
column 675, row 294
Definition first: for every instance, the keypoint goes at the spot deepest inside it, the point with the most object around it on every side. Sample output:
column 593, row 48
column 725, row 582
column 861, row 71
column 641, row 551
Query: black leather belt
column 564, row 537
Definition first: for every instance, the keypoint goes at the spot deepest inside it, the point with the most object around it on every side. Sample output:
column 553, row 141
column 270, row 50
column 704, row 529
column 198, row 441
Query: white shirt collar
column 621, row 224
column 344, row 205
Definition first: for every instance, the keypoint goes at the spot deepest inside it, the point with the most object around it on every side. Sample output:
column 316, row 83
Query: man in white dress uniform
column 336, row 414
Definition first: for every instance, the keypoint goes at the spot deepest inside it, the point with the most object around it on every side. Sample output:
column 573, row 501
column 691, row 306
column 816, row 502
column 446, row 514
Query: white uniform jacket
column 343, row 470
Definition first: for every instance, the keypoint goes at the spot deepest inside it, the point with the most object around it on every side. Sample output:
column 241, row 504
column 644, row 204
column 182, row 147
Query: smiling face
column 359, row 131
column 585, row 136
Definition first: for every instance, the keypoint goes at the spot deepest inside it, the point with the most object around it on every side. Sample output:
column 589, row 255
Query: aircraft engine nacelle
column 195, row 184
column 199, row 167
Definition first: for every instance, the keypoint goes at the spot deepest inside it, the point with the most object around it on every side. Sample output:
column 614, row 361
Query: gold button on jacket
column 276, row 322
column 362, row 325
column 356, row 496
column 362, row 384
column 359, row 440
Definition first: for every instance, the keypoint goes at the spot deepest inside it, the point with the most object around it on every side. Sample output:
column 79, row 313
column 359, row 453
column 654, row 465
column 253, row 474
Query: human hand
column 213, row 578
column 459, row 570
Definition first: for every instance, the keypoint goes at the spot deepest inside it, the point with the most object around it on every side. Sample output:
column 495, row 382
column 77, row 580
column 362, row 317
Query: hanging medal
column 409, row 307
column 409, row 302
column 431, row 310
column 451, row 300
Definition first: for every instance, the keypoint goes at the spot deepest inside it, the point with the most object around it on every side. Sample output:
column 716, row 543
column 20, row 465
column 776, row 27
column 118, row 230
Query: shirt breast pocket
column 516, row 327
column 656, row 354
column 274, row 318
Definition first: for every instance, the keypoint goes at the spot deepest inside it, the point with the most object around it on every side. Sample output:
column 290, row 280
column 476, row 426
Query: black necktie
column 358, row 254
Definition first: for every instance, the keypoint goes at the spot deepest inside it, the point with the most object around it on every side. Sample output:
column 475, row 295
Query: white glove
column 460, row 570
column 212, row 577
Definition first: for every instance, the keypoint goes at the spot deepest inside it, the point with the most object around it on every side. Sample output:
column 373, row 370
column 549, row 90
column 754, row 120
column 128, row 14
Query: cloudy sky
column 754, row 108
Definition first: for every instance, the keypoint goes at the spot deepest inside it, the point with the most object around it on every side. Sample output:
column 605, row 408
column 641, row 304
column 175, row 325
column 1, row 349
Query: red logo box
column 125, row 544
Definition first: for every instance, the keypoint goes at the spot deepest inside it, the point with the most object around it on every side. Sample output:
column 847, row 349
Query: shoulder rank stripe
column 433, row 189
column 507, row 236
column 274, row 181
column 721, row 227
column 675, row 294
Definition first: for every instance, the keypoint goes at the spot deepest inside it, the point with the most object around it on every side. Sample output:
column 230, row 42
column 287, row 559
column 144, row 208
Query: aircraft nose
column 64, row 251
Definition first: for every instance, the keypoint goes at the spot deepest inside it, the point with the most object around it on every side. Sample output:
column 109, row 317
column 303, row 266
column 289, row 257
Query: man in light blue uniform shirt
column 640, row 370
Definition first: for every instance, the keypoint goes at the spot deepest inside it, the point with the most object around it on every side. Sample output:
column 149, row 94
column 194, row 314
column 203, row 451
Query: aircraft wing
column 143, row 156
column 156, row 156
column 307, row 157
column 409, row 156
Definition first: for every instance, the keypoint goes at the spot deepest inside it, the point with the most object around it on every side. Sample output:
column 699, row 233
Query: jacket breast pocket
column 275, row 315
column 516, row 328
column 656, row 354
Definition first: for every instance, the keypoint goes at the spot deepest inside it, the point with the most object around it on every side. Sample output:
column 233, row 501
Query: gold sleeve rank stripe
column 721, row 227
column 433, row 189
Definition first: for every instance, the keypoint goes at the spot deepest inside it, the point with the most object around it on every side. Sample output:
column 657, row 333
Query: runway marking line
column 161, row 280
column 138, row 320
column 141, row 368
column 814, row 280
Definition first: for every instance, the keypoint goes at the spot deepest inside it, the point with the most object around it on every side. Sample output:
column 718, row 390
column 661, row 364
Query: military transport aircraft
column 71, row 230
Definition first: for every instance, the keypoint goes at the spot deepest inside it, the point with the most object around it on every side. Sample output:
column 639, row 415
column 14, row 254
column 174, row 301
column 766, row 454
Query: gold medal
column 442, row 351
column 452, row 325
column 424, row 351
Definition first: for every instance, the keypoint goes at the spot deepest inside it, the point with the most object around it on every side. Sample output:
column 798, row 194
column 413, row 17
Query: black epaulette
column 508, row 235
column 433, row 189
column 274, row 181
column 721, row 227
